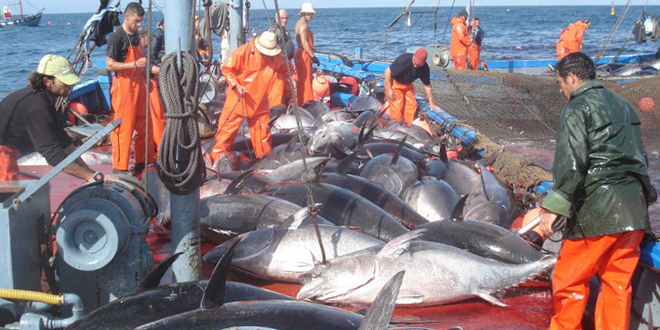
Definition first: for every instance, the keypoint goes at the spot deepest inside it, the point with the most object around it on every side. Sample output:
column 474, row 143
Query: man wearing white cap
column 304, row 56
column 29, row 120
column 250, row 71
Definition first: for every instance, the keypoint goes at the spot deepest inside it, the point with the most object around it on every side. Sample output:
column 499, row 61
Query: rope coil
column 180, row 163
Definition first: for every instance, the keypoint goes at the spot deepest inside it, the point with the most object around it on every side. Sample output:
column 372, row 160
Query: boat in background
column 26, row 20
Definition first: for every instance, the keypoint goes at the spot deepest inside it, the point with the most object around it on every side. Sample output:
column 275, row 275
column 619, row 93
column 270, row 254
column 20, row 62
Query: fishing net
column 515, row 107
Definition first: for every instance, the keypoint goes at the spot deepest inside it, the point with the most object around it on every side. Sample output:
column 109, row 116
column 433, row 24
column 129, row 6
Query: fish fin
column 396, row 246
column 154, row 277
column 483, row 182
column 443, row 153
column 343, row 165
column 395, row 158
column 337, row 153
column 237, row 184
column 313, row 174
column 272, row 120
column 380, row 313
column 369, row 153
column 361, row 134
column 457, row 213
column 489, row 298
column 214, row 294
column 295, row 220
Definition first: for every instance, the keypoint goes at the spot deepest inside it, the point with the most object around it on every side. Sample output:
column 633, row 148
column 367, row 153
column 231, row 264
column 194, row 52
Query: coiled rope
column 180, row 163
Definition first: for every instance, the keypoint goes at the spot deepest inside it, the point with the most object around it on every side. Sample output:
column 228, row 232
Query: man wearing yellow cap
column 29, row 120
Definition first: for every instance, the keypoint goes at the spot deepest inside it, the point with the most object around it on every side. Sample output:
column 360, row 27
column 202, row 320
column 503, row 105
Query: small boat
column 7, row 20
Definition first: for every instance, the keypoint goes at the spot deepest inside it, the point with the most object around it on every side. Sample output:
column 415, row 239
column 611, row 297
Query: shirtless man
column 304, row 56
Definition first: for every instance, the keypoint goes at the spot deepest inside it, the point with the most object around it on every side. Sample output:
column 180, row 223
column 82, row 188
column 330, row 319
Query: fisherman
column 304, row 56
column 460, row 40
column 250, row 71
column 474, row 49
column 562, row 43
column 29, row 120
column 280, row 89
column 574, row 44
column 128, row 93
column 601, row 184
column 399, row 89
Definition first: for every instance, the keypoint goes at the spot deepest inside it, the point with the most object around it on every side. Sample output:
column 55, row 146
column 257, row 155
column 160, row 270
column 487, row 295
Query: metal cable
column 311, row 206
column 611, row 34
column 145, row 182
column 180, row 163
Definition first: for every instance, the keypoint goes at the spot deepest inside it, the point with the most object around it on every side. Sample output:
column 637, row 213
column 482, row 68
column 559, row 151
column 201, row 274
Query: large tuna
column 435, row 274
column 489, row 201
column 343, row 208
column 285, row 254
column 482, row 238
column 432, row 198
column 376, row 194
column 223, row 216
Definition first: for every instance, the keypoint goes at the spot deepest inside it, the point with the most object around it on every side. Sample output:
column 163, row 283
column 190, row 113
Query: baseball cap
column 58, row 67
column 463, row 13
column 420, row 57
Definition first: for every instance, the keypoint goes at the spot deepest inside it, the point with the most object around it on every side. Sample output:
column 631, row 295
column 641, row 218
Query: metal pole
column 184, row 209
column 236, row 32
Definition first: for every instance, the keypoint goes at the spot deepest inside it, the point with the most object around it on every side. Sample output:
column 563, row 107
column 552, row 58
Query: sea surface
column 517, row 32
column 512, row 33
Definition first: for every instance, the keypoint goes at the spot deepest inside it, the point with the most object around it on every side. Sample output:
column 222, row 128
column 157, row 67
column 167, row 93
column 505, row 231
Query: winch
column 100, row 232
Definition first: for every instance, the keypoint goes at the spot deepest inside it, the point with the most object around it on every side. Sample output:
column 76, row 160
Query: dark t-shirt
column 157, row 46
column 118, row 44
column 405, row 72
column 29, row 122
column 284, row 40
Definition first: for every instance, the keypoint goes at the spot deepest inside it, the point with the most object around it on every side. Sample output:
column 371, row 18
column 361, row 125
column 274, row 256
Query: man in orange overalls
column 460, row 40
column 577, row 32
column 562, row 43
column 250, row 72
column 400, row 92
column 474, row 49
column 304, row 56
column 128, row 92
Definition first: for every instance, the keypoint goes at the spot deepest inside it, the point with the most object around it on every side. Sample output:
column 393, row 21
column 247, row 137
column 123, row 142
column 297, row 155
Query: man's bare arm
column 114, row 65
column 78, row 168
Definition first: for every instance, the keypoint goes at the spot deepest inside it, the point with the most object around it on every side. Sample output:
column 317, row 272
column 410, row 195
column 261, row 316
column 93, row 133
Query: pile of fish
column 386, row 199
column 357, row 209
column 641, row 68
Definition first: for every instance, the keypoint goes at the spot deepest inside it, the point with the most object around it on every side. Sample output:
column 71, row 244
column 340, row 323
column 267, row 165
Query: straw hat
column 266, row 43
column 307, row 8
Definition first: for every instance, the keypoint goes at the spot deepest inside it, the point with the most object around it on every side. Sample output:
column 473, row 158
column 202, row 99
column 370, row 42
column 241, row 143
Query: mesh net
column 508, row 107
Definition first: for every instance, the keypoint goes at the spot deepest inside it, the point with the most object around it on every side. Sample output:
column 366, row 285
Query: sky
column 89, row 6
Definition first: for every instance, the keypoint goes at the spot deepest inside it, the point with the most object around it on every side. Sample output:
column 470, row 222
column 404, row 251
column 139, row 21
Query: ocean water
column 523, row 32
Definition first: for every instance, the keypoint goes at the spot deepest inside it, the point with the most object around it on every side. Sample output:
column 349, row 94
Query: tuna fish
column 432, row 198
column 483, row 239
column 395, row 173
column 489, row 201
column 337, row 134
column 272, row 314
column 435, row 274
column 154, row 303
column 343, row 208
column 224, row 216
column 376, row 194
column 285, row 254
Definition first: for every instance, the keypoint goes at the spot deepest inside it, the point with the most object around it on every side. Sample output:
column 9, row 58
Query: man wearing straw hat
column 304, row 56
column 250, row 71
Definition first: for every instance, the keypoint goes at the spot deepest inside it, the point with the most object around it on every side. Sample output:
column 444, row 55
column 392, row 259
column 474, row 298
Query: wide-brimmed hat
column 266, row 43
column 58, row 67
column 307, row 8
